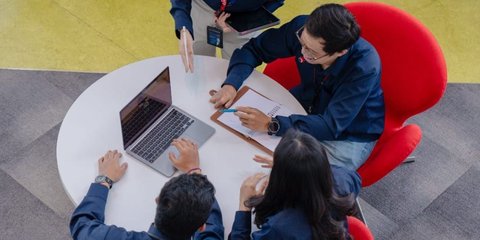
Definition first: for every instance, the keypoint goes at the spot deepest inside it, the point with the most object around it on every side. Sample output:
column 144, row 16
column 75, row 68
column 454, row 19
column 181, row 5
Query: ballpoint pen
column 184, row 30
column 228, row 110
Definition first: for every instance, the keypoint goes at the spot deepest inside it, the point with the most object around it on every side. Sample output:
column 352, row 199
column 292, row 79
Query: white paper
column 265, row 105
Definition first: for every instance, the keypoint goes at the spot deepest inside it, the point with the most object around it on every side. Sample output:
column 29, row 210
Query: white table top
column 92, row 126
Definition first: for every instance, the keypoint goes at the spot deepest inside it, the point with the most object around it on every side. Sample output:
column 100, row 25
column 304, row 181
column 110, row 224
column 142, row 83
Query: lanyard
column 223, row 5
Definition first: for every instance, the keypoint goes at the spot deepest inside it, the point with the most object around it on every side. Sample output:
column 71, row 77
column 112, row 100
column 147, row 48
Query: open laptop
column 150, row 122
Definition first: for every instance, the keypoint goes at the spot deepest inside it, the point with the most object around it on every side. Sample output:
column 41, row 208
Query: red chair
column 358, row 230
column 414, row 78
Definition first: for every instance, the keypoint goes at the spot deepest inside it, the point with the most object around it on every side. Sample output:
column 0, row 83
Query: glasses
column 308, row 50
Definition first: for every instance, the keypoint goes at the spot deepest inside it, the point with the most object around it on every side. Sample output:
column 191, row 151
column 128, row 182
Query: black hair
column 184, row 205
column 301, row 178
column 336, row 25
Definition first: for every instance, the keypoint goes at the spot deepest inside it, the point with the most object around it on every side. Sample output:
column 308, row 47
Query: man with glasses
column 339, row 89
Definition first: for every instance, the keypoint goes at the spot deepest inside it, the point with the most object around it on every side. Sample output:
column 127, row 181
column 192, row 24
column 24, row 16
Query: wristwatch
column 273, row 126
column 104, row 179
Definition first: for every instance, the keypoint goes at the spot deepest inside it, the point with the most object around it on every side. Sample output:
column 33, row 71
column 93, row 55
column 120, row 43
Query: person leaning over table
column 305, row 196
column 340, row 83
column 186, row 206
column 196, row 15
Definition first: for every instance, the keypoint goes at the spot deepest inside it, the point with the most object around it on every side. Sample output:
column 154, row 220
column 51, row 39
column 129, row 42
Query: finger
column 124, row 166
column 100, row 160
column 215, row 96
column 183, row 56
column 262, row 159
column 219, row 103
column 172, row 157
column 190, row 58
column 212, row 92
column 263, row 186
column 229, row 103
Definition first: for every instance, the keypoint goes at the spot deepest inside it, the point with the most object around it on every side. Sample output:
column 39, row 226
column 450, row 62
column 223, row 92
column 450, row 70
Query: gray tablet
column 247, row 22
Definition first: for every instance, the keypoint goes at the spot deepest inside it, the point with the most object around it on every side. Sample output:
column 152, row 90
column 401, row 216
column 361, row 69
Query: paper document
column 267, row 106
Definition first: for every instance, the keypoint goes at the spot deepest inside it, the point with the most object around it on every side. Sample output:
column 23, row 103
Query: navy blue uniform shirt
column 291, row 223
column 349, row 104
column 88, row 221
column 180, row 10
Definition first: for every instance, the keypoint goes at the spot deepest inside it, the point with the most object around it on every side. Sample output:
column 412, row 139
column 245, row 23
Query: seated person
column 340, row 83
column 186, row 206
column 305, row 198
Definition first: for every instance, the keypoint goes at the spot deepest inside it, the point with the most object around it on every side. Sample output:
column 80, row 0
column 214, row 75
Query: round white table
column 92, row 126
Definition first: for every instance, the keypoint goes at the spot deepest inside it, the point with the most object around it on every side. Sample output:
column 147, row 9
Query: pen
column 185, row 45
column 228, row 110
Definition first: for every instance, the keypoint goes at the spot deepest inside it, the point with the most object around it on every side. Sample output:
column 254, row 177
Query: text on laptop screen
column 146, row 107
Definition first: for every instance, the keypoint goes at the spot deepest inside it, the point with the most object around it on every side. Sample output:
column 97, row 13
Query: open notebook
column 250, row 98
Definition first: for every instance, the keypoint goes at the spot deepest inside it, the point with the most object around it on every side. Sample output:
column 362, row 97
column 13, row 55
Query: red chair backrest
column 414, row 72
column 284, row 71
column 358, row 230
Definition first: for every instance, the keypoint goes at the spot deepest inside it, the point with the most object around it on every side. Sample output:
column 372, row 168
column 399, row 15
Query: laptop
column 247, row 22
column 150, row 122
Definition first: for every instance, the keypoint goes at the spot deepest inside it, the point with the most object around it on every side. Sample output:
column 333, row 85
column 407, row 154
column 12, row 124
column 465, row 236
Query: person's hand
column 224, row 97
column 220, row 21
column 253, row 118
column 188, row 158
column 249, row 189
column 109, row 165
column 186, row 51
column 267, row 162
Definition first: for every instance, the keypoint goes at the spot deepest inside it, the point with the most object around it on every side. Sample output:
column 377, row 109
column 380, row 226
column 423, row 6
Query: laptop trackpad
column 164, row 165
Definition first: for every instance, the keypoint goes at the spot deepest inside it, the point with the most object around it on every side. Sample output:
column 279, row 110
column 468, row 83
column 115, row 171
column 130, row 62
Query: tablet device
column 247, row 22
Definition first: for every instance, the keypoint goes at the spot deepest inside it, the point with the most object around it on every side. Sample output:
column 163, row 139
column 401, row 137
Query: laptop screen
column 146, row 107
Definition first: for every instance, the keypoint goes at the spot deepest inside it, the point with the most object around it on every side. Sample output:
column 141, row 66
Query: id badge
column 215, row 36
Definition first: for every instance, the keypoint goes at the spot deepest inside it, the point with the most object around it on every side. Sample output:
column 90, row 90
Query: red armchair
column 414, row 78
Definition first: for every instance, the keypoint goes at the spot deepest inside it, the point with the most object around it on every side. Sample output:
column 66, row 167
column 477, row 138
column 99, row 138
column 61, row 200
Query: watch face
column 100, row 179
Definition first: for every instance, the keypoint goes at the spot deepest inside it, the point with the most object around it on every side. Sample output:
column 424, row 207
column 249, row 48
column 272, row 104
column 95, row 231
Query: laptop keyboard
column 161, row 136
column 146, row 113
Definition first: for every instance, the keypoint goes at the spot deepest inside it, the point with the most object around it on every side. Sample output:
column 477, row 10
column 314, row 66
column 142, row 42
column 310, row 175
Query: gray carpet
column 434, row 198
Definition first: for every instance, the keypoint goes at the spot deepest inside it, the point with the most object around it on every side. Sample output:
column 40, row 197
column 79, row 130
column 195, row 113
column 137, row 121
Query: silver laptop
column 150, row 122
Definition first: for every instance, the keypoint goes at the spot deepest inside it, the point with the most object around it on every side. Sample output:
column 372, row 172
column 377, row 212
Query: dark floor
column 434, row 198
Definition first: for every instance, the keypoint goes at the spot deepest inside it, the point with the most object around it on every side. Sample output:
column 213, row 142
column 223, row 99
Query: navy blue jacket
column 180, row 10
column 349, row 104
column 291, row 223
column 88, row 221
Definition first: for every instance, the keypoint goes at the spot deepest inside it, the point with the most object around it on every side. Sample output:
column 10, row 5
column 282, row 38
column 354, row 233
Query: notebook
column 251, row 98
column 247, row 22
column 150, row 122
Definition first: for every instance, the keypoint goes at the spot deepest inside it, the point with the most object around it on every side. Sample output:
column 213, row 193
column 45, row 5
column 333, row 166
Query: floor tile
column 410, row 188
column 72, row 83
column 23, row 216
column 453, row 122
column 35, row 168
column 30, row 107
column 380, row 225
column 453, row 215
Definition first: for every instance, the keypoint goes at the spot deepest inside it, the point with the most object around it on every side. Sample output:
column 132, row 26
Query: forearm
column 315, row 125
column 242, row 225
column 273, row 5
column 268, row 46
column 214, row 225
column 180, row 12
column 90, row 212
